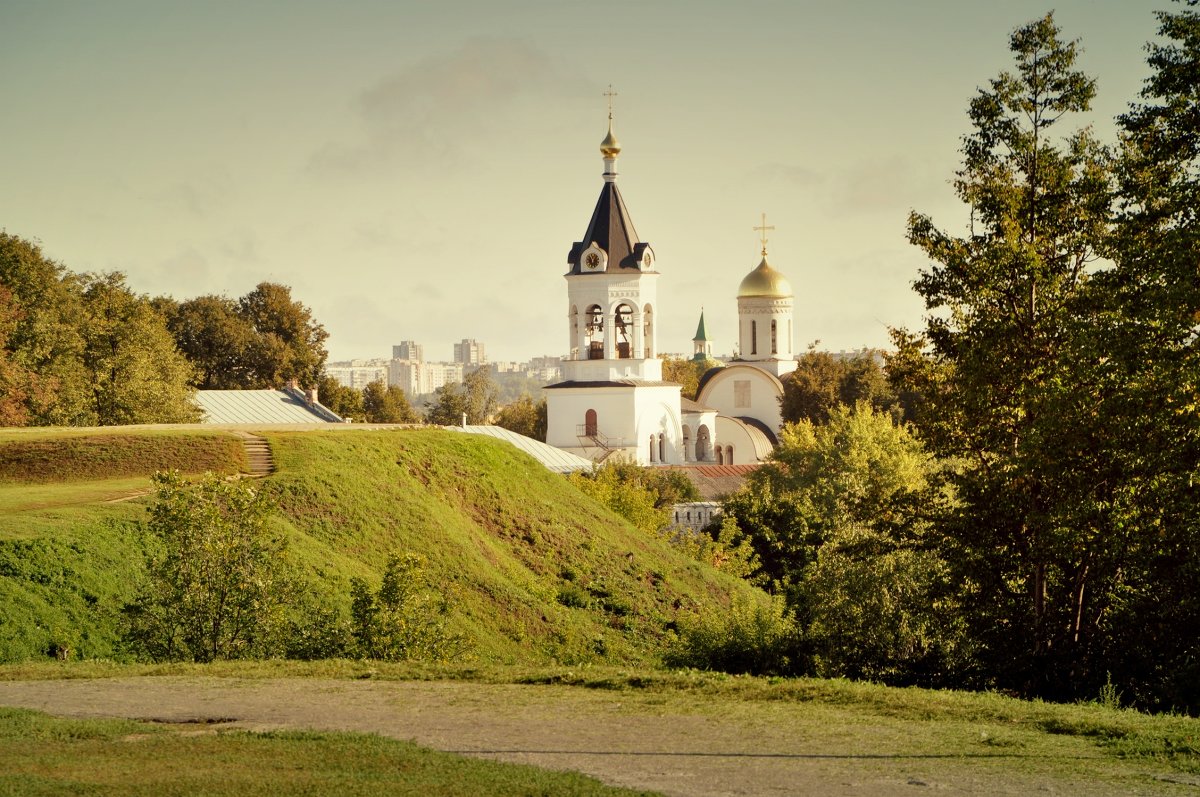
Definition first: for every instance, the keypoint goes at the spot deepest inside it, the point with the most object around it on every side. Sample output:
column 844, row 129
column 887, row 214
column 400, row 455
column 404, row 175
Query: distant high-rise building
column 408, row 350
column 469, row 352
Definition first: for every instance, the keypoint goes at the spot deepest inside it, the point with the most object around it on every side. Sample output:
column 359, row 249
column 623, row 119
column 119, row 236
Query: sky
column 419, row 170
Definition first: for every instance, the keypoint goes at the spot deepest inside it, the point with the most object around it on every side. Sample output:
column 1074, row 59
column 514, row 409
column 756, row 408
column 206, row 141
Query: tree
column 219, row 341
column 135, row 373
column 858, row 470
column 344, row 401
column 822, row 381
column 44, row 337
column 217, row 582
column 19, row 386
column 1006, row 371
column 387, row 404
column 1147, row 327
column 475, row 398
column 290, row 343
column 524, row 416
column 686, row 373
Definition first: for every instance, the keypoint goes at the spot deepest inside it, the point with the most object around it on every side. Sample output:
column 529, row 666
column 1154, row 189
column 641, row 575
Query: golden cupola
column 765, row 282
column 610, row 147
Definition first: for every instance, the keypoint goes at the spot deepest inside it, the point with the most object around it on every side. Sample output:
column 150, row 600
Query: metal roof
column 552, row 458
column 261, row 406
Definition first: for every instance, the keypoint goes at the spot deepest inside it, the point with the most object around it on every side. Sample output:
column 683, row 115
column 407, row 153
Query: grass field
column 538, row 572
column 41, row 755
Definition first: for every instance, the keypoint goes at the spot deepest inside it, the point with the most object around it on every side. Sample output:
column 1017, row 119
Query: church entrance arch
column 590, row 425
column 703, row 443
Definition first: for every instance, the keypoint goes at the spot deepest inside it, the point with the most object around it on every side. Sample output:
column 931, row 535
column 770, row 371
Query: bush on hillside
column 759, row 638
column 218, row 583
column 405, row 619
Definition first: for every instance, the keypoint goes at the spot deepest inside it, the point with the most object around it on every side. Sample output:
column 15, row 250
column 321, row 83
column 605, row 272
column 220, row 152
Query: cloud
column 434, row 109
column 798, row 176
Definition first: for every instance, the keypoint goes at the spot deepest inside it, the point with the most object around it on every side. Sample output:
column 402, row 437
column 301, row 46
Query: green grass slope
column 537, row 572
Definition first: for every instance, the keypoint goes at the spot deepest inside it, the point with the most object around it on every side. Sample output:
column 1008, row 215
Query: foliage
column 217, row 582
column 857, row 470
column 524, row 416
column 756, row 637
column 822, row 381
column 19, row 385
column 405, row 619
column 643, row 496
column 881, row 610
column 474, row 398
column 686, row 372
column 345, row 402
column 44, row 339
column 264, row 339
column 1012, row 380
column 386, row 404
column 722, row 546
column 134, row 372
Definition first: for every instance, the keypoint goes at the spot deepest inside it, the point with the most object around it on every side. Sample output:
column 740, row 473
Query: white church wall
column 736, row 440
column 746, row 391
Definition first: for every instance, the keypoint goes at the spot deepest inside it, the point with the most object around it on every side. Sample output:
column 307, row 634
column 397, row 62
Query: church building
column 613, row 400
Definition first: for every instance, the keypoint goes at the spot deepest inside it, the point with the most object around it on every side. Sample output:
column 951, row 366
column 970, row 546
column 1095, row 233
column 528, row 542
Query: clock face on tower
column 592, row 260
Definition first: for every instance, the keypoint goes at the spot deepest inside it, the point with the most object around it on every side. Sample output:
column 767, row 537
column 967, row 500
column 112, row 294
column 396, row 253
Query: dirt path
column 647, row 741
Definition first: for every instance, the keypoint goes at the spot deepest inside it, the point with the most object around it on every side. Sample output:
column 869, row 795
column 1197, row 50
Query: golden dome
column 610, row 147
column 766, row 282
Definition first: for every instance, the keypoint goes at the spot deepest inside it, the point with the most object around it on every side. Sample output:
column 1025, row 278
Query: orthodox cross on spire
column 610, row 94
column 763, row 229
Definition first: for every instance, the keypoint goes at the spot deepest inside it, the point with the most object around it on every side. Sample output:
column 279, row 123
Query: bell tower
column 611, row 282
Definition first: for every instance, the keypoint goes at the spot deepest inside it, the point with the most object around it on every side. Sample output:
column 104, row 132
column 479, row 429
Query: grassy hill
column 538, row 572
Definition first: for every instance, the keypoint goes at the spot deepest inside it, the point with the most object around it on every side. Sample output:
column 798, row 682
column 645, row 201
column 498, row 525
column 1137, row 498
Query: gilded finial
column 610, row 147
column 763, row 229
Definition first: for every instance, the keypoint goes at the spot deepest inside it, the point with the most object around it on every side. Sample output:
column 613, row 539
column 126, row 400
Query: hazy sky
column 419, row 170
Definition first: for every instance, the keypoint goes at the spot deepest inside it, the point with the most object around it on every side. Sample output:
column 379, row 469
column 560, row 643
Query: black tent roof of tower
column 612, row 230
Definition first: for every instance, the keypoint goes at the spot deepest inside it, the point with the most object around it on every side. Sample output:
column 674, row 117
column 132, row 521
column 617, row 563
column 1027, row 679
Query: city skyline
column 420, row 172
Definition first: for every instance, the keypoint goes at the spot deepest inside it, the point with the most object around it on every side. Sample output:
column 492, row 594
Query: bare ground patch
column 682, row 745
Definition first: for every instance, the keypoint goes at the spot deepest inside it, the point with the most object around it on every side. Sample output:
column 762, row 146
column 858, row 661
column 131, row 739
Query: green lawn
column 42, row 755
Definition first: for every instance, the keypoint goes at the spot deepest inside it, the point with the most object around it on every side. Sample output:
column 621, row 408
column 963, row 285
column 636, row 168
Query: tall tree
column 219, row 341
column 290, row 342
column 474, row 398
column 18, row 384
column 1149, row 333
column 45, row 337
column 1005, row 375
column 135, row 373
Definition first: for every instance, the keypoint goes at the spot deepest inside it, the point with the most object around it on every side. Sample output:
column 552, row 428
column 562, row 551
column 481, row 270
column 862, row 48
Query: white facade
column 744, row 390
column 639, row 423
column 421, row 378
column 765, row 333
column 611, row 327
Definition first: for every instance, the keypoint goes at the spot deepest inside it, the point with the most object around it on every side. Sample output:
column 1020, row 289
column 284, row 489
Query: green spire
column 701, row 333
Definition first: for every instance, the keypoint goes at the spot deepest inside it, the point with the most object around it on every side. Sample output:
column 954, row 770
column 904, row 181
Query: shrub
column 756, row 637
column 217, row 583
column 404, row 619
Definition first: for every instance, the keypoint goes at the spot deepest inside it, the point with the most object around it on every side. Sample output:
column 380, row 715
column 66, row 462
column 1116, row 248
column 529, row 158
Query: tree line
column 1011, row 501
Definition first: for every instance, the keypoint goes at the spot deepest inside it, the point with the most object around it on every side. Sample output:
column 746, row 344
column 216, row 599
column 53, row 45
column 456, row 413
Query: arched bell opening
column 703, row 444
column 623, row 325
column 594, row 332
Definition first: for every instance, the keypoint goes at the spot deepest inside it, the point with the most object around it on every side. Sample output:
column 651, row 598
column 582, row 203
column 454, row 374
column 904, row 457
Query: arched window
column 652, row 451
column 662, row 447
column 702, row 443
column 574, row 332
column 687, row 442
column 623, row 323
column 728, row 455
column 590, row 425
column 754, row 337
column 648, row 330
column 594, row 330
column 774, row 338
column 720, row 456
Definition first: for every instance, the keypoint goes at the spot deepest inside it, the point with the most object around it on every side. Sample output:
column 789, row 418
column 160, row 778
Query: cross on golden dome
column 763, row 229
column 610, row 94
